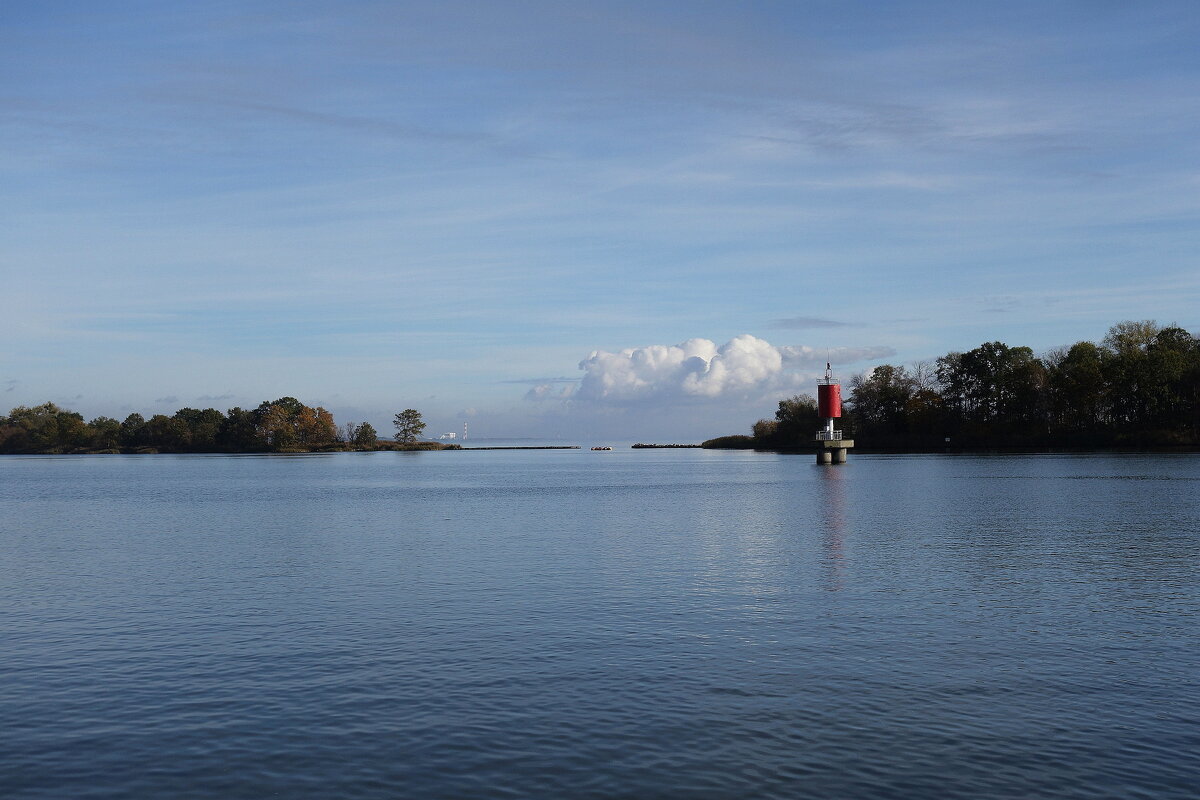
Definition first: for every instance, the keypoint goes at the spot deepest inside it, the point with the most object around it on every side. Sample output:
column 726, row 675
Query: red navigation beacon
column 831, row 447
column 829, row 396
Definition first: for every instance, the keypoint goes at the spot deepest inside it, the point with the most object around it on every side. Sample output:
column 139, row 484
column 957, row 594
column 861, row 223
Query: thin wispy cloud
column 213, row 400
column 538, row 381
column 806, row 323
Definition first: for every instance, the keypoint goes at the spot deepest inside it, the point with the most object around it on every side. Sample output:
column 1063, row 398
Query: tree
column 277, row 425
column 993, row 384
column 765, row 430
column 105, row 433
column 880, row 400
column 203, row 427
column 365, row 435
column 315, row 426
column 1076, row 383
column 408, row 425
column 45, row 429
column 167, row 433
column 133, row 430
column 1128, row 372
column 796, row 421
column 1130, row 336
column 239, row 432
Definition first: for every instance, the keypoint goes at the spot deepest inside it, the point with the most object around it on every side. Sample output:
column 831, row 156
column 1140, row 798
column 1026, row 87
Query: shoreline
column 788, row 451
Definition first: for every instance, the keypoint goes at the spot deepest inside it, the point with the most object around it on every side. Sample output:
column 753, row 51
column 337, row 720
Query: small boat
column 602, row 448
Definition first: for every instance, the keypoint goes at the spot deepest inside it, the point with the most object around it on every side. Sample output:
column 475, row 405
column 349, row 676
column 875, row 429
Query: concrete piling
column 833, row 451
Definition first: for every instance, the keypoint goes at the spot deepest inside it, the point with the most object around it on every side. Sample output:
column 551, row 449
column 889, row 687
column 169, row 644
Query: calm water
column 633, row 624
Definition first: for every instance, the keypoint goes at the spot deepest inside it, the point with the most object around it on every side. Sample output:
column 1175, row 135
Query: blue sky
column 452, row 206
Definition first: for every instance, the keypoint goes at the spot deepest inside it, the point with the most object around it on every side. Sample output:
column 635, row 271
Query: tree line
column 280, row 426
column 1138, row 387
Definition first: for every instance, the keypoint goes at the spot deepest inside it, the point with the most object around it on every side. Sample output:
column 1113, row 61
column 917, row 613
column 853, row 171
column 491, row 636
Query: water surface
column 656, row 623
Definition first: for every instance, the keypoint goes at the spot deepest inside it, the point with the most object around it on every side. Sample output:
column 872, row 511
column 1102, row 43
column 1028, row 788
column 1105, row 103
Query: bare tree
column 923, row 375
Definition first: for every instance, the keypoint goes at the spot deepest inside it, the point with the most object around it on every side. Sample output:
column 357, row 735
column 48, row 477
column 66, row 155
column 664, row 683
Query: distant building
column 451, row 435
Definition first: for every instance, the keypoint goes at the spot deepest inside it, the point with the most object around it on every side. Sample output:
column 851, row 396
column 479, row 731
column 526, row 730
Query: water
column 633, row 624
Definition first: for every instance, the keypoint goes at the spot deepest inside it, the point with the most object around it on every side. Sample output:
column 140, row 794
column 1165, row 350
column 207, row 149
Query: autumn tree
column 314, row 426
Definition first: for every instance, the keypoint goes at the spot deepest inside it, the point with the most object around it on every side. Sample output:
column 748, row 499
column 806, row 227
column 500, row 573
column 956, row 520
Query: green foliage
column 105, row 434
column 993, row 384
column 43, row 429
column 765, row 429
column 202, row 427
column 409, row 425
column 285, row 424
column 167, row 433
column 1140, row 385
column 132, row 431
column 794, row 424
column 1076, row 387
column 365, row 435
column 239, row 432
column 881, row 400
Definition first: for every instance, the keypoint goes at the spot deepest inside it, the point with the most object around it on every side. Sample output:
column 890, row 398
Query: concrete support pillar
column 833, row 451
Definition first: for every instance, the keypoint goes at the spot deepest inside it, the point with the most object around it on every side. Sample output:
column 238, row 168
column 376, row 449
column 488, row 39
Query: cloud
column 697, row 370
column 210, row 399
column 539, row 381
column 1000, row 304
column 801, row 323
column 549, row 391
column 804, row 356
column 11, row 384
column 169, row 399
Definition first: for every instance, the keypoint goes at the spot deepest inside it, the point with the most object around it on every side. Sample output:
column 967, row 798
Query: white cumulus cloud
column 745, row 367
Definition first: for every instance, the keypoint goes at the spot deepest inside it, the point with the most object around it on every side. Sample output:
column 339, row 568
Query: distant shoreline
column 525, row 447
column 788, row 451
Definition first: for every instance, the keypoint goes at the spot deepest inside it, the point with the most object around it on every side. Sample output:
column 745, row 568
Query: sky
column 644, row 220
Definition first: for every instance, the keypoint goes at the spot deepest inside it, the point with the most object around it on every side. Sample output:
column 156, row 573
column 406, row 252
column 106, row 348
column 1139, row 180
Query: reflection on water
column 832, row 517
column 559, row 624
